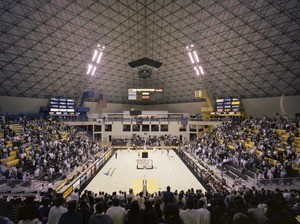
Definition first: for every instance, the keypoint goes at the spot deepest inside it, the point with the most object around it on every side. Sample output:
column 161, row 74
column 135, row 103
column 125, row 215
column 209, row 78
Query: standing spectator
column 168, row 197
column 149, row 214
column 134, row 214
column 5, row 211
column 30, row 215
column 131, row 195
column 276, row 214
column 116, row 212
column 255, row 214
column 204, row 213
column 171, row 214
column 71, row 216
column 190, row 215
column 56, row 211
column 75, row 195
column 85, row 211
column 141, row 200
column 44, row 210
column 100, row 217
column 240, row 218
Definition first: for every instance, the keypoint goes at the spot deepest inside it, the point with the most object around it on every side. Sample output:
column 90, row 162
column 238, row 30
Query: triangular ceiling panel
column 247, row 48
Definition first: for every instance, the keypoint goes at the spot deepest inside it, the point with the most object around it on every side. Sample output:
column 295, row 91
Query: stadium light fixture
column 195, row 56
column 191, row 57
column 89, row 69
column 201, row 70
column 195, row 59
column 197, row 71
column 95, row 55
column 94, row 70
column 95, row 60
column 99, row 57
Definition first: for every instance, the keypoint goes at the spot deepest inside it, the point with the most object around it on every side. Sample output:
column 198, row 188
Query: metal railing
column 21, row 187
column 280, row 183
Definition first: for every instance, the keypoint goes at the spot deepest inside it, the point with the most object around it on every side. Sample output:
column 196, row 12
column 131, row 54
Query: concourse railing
column 279, row 183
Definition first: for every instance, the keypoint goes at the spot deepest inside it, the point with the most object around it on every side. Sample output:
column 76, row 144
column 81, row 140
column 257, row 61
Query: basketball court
column 159, row 170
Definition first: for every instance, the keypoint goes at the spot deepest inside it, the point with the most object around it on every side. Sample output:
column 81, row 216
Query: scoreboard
column 62, row 105
column 228, row 105
column 144, row 94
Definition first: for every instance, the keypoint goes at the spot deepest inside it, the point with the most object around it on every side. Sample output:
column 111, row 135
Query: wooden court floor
column 121, row 173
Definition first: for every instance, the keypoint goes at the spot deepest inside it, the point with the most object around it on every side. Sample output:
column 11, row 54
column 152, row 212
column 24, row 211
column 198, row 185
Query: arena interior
column 144, row 111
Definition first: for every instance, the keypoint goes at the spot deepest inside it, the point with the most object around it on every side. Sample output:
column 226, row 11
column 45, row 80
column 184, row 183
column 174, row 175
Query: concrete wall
column 117, row 130
column 268, row 106
column 255, row 107
column 21, row 104
column 192, row 108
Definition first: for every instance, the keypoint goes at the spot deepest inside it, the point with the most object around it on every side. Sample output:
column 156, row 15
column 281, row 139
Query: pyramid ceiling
column 248, row 49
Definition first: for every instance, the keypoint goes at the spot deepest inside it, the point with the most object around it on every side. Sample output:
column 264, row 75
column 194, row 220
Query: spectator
column 168, row 197
column 30, row 215
column 5, row 211
column 134, row 214
column 171, row 214
column 44, row 210
column 100, row 217
column 116, row 212
column 56, row 211
column 85, row 211
column 204, row 213
column 190, row 215
column 240, row 218
column 149, row 214
column 276, row 214
column 71, row 216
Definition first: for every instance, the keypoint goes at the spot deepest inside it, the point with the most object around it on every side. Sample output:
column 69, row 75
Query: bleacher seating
column 236, row 172
column 227, row 172
column 12, row 163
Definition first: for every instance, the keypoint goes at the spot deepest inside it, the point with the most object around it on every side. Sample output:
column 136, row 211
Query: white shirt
column 117, row 214
column 204, row 216
column 190, row 216
column 55, row 214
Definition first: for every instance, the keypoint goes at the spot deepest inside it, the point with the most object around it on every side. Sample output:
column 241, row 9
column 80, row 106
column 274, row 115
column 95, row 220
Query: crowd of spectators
column 170, row 140
column 249, row 206
column 255, row 144
column 46, row 150
column 56, row 149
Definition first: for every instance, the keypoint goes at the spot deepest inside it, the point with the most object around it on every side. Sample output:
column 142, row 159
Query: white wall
column 117, row 130
column 192, row 108
column 111, row 107
column 259, row 107
column 255, row 107
column 21, row 104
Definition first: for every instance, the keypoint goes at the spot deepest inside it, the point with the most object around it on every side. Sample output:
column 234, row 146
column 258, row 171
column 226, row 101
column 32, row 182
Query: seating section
column 44, row 150
column 246, row 147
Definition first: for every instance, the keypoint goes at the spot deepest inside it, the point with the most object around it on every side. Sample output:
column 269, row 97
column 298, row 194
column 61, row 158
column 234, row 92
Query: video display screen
column 62, row 105
column 228, row 105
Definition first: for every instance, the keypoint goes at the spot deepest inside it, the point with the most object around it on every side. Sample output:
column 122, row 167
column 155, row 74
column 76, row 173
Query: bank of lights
column 195, row 60
column 95, row 60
